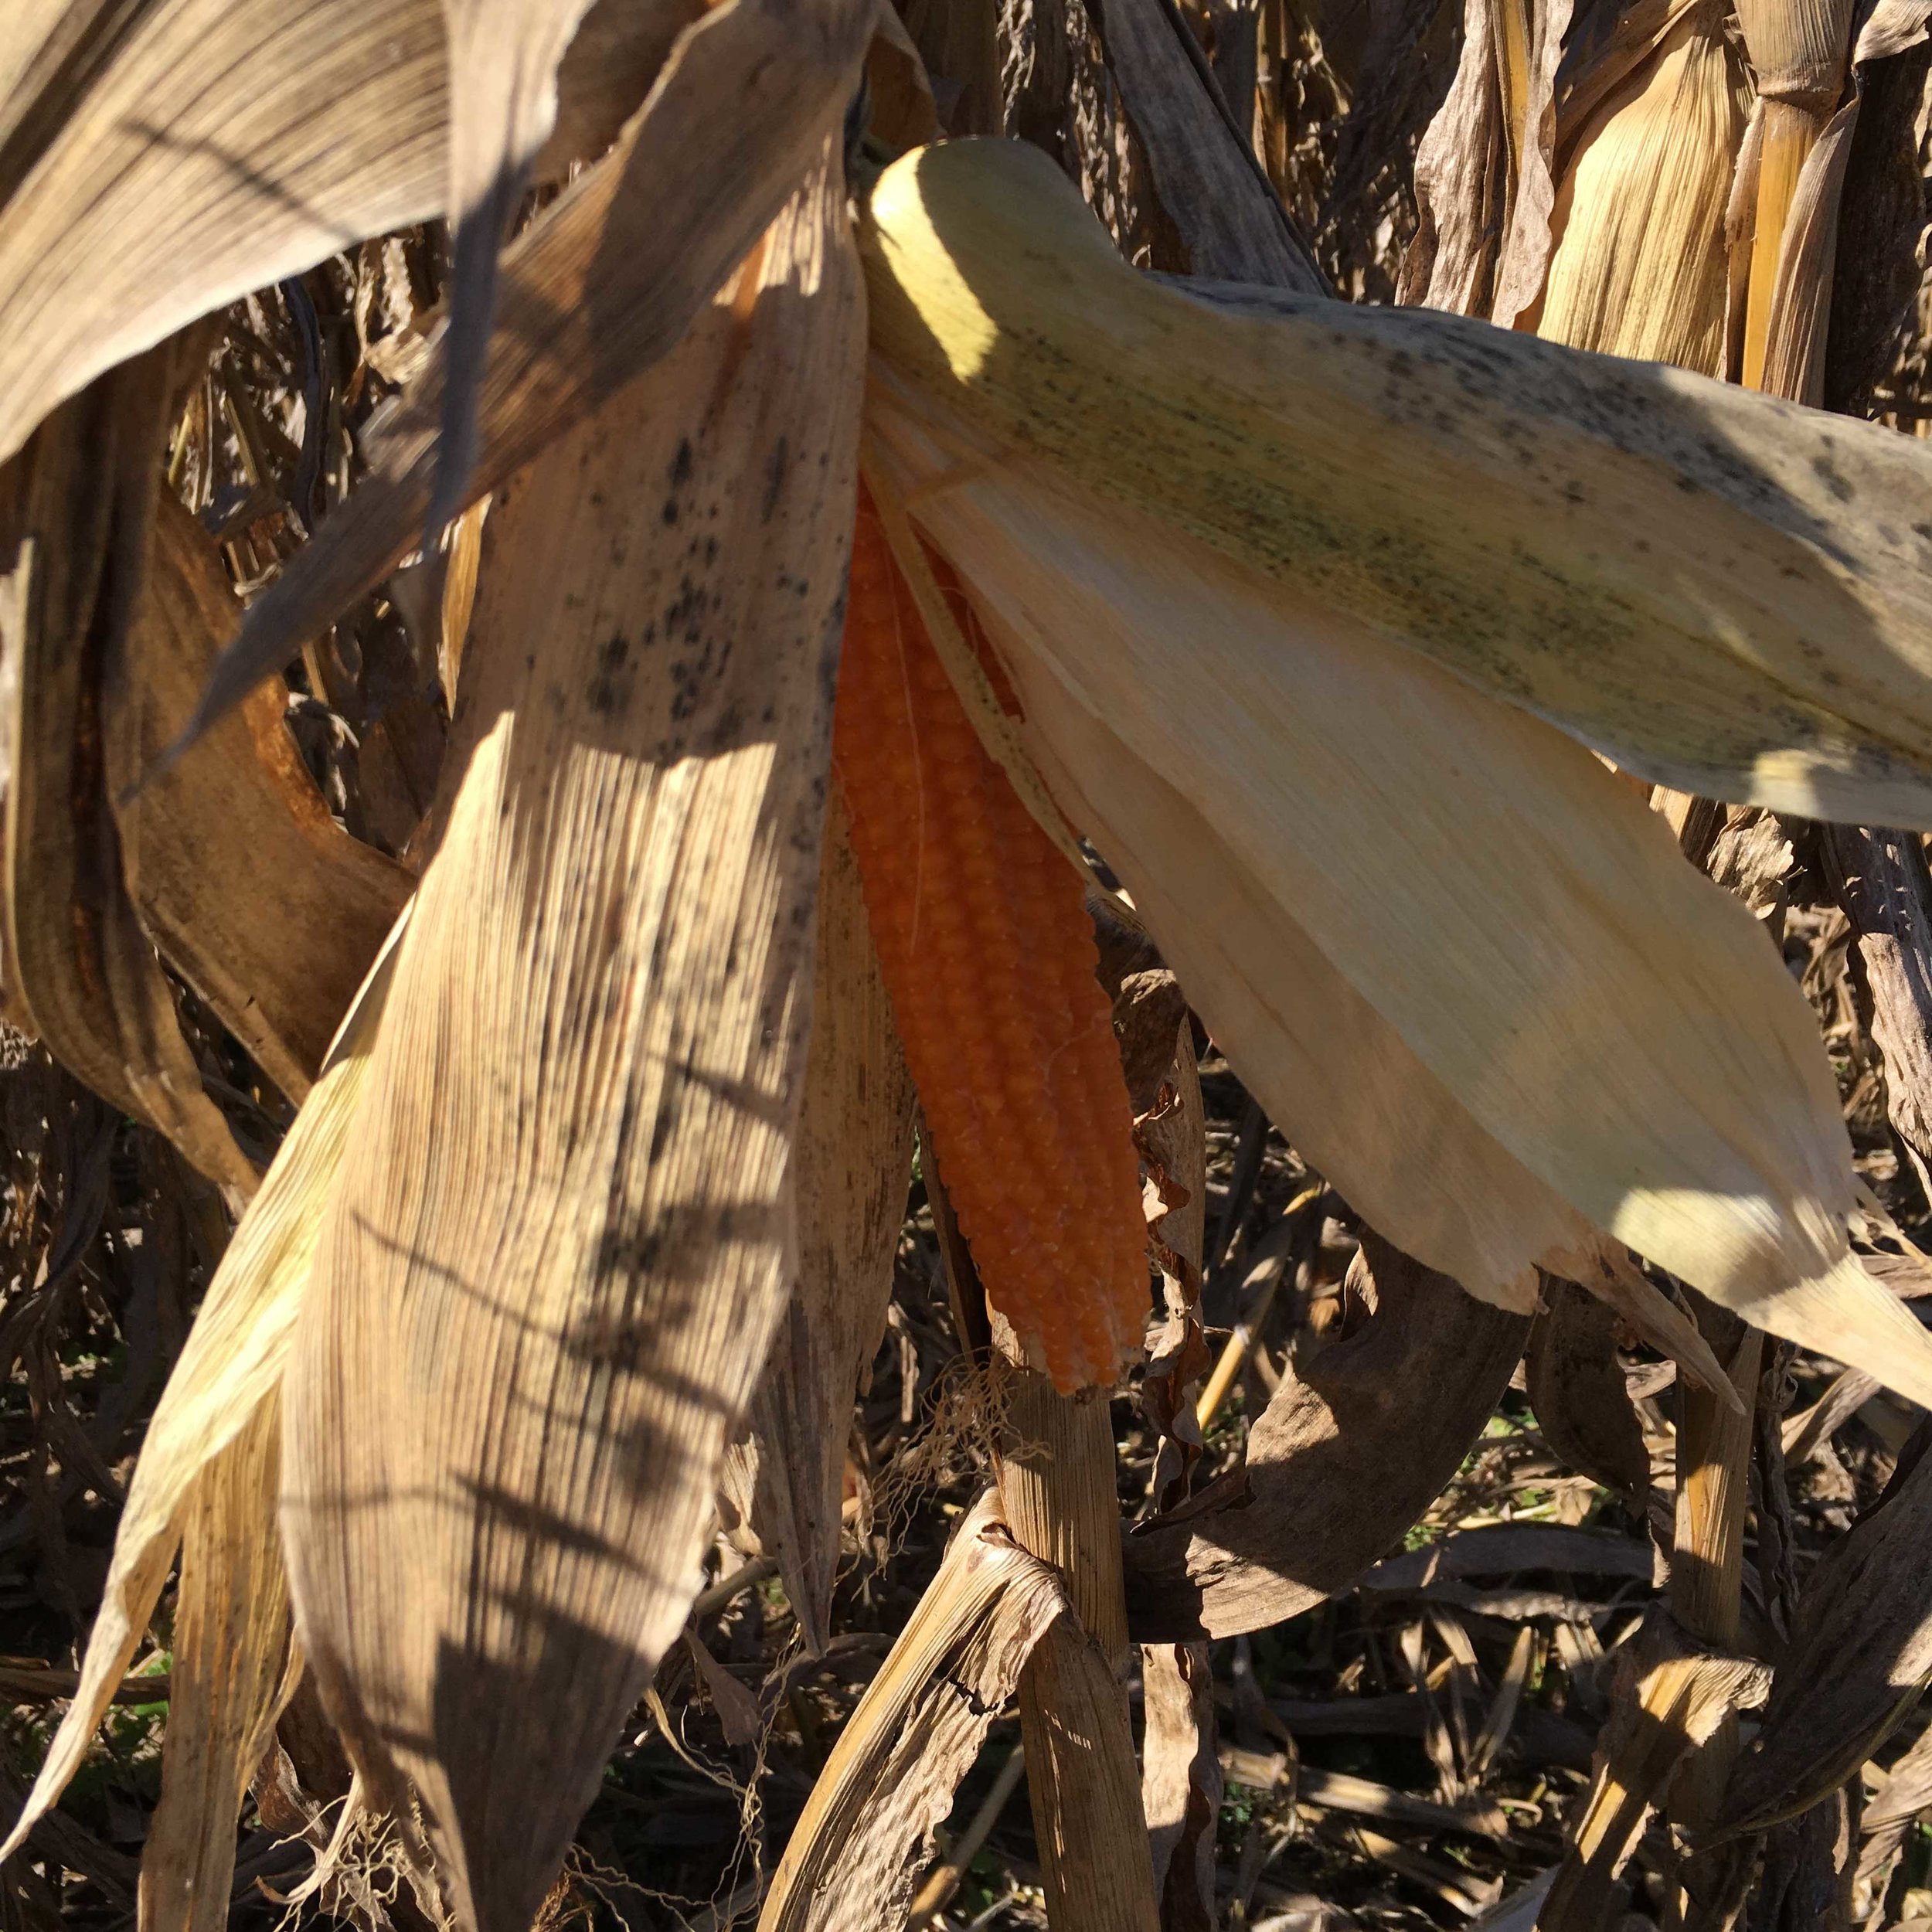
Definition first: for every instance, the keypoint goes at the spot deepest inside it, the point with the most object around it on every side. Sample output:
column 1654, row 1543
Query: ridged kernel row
column 988, row 956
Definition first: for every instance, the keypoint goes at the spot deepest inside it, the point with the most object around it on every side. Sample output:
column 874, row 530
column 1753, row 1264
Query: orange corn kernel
column 988, row 955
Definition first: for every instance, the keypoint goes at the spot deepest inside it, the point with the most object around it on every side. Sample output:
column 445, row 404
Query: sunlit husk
column 1639, row 266
column 1683, row 576
column 229, row 1372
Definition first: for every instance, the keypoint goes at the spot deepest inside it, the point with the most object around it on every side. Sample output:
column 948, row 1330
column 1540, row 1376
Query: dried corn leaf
column 254, row 894
column 230, row 1370
column 603, row 284
column 850, row 1165
column 1860, row 1654
column 1353, row 1447
column 560, row 1241
column 868, row 1829
column 76, row 510
column 1464, row 175
column 1687, row 577
column 1525, row 250
column 1577, row 1391
column 1419, row 830
column 229, row 1677
column 1797, row 327
column 503, row 56
column 1181, row 1785
column 1210, row 184
column 1670, row 1700
column 224, row 144
column 1639, row 267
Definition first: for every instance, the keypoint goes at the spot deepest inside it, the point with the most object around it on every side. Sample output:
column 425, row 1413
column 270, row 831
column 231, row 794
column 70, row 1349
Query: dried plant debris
column 502, row 1426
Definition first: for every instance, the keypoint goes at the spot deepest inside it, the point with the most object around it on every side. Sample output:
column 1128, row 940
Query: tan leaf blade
column 231, row 1368
column 850, row 1165
column 1419, row 830
column 1349, row 1454
column 1689, row 578
column 560, row 1241
column 253, row 893
column 853, row 1856
column 226, row 143
column 599, row 287
column 230, row 1677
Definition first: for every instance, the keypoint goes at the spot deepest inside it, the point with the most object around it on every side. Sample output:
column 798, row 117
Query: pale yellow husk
column 230, row 1372
column 1725, row 593
column 1640, row 265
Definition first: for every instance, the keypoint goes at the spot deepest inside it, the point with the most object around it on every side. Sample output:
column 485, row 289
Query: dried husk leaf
column 853, row 1857
column 1354, row 1446
column 1685, row 576
column 503, row 56
column 230, row 1675
column 1419, row 830
column 850, row 1165
column 1860, row 1654
column 1577, row 1391
column 253, row 893
column 227, row 143
column 532, row 1330
column 1640, row 267
column 1670, row 1699
column 228, row 1372
column 603, row 284
column 76, row 510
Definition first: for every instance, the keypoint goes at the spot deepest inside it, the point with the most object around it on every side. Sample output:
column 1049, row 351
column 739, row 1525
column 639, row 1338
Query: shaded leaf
column 1577, row 1390
column 253, row 893
column 1860, row 1653
column 1348, row 1453
column 77, row 511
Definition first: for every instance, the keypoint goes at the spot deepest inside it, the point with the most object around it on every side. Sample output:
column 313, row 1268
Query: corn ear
column 1643, row 1060
column 1688, row 579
